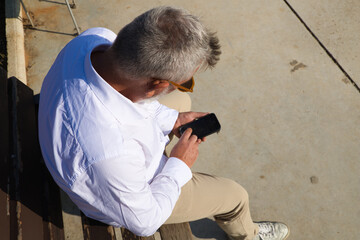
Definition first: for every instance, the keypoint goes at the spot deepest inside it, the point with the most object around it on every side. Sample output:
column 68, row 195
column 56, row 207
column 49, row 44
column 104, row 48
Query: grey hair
column 165, row 43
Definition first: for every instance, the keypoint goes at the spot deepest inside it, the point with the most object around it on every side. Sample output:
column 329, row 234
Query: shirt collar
column 122, row 108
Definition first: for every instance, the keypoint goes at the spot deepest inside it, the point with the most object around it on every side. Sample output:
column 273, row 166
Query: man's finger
column 187, row 133
column 193, row 138
column 199, row 114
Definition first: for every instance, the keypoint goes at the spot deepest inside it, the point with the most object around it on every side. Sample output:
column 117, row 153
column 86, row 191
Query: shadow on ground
column 207, row 229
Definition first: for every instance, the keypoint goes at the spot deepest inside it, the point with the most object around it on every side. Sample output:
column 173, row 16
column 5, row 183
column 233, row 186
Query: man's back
column 105, row 151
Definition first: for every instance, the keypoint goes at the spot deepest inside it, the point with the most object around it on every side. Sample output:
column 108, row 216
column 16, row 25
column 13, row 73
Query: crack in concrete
column 323, row 46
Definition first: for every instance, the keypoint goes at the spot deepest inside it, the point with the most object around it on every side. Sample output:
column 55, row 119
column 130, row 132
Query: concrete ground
column 285, row 92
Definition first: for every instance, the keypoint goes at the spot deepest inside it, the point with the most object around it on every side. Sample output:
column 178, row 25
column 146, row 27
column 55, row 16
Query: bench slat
column 52, row 211
column 4, row 158
column 52, row 216
column 127, row 235
column 71, row 215
column 178, row 231
column 94, row 230
column 26, row 168
column 118, row 234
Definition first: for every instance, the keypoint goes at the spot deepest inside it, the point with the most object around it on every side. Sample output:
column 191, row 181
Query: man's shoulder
column 99, row 31
column 67, row 70
column 88, row 40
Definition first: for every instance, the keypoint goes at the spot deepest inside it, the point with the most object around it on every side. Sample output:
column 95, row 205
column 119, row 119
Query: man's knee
column 177, row 100
column 238, row 194
column 234, row 202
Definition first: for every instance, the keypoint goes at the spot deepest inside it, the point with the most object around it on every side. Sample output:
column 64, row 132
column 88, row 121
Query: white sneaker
column 272, row 231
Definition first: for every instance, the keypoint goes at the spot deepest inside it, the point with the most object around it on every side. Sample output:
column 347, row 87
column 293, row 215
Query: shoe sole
column 288, row 233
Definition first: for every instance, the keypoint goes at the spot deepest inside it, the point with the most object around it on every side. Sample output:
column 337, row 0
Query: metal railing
column 70, row 11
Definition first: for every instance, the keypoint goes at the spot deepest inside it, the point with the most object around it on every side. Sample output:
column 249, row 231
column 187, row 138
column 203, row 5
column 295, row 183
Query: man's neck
column 105, row 66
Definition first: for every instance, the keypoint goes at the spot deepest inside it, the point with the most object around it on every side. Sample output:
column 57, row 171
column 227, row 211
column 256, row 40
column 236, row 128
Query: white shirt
column 103, row 150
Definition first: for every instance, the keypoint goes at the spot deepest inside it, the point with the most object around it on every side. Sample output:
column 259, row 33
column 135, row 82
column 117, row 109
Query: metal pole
column 72, row 16
column 27, row 14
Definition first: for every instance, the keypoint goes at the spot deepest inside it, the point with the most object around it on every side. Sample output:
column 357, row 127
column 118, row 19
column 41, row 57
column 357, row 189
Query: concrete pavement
column 289, row 114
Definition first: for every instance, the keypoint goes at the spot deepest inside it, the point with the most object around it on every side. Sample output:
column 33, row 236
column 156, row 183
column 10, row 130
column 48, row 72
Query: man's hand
column 186, row 117
column 187, row 149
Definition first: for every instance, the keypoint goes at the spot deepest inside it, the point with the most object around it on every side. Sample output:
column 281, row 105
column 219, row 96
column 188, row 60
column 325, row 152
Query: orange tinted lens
column 188, row 84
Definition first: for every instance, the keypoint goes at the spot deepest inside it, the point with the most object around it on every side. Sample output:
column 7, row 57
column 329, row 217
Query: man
column 103, row 133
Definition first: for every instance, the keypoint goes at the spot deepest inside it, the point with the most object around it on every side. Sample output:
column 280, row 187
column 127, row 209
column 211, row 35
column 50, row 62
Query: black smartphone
column 203, row 126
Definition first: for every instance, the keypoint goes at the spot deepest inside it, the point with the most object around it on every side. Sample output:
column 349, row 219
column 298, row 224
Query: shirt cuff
column 177, row 170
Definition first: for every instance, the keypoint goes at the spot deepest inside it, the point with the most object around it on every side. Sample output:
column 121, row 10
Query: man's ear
column 155, row 87
column 158, row 84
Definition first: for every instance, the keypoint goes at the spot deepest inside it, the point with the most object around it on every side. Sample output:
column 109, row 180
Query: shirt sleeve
column 125, row 198
column 166, row 118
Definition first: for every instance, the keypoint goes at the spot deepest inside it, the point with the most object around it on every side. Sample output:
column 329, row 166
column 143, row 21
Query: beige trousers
column 206, row 195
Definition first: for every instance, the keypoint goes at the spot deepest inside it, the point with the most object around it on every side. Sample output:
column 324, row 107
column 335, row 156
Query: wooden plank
column 127, row 235
column 26, row 168
column 52, row 215
column 13, row 182
column 4, row 158
column 157, row 236
column 94, row 230
column 118, row 234
column 73, row 228
column 179, row 231
column 52, row 211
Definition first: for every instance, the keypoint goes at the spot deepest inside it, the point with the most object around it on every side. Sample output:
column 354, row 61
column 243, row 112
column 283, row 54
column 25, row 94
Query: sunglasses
column 187, row 86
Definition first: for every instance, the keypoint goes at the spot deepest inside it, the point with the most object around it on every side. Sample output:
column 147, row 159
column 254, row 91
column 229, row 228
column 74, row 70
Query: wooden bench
column 31, row 204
